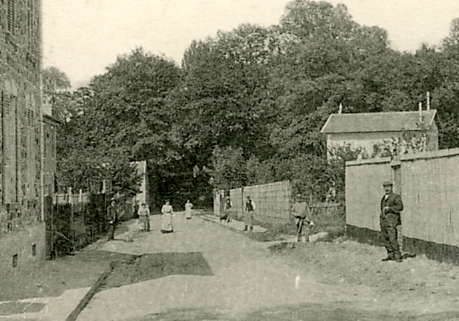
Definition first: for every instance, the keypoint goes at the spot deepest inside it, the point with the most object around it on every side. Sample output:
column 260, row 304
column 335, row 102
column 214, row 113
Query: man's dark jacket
column 395, row 204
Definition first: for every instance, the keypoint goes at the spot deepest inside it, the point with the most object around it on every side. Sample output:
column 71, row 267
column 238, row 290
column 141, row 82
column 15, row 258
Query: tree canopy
column 246, row 106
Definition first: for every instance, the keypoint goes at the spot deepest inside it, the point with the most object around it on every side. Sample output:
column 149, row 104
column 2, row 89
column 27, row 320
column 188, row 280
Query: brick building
column 22, row 229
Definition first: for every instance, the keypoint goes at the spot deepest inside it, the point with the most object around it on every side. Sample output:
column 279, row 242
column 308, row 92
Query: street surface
column 223, row 275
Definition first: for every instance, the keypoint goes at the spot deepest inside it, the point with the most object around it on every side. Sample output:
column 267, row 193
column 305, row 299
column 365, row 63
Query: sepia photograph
column 233, row 160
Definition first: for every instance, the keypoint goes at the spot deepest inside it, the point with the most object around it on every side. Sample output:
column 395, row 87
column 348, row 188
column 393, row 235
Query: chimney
column 340, row 110
column 428, row 101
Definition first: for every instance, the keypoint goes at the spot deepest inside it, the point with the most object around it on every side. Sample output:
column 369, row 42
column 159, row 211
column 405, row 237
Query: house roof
column 377, row 122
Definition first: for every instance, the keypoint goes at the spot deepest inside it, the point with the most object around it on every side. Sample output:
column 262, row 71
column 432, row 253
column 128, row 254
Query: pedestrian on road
column 166, row 222
column 136, row 209
column 391, row 206
column 250, row 208
column 113, row 217
column 144, row 217
column 302, row 217
column 188, row 209
column 226, row 210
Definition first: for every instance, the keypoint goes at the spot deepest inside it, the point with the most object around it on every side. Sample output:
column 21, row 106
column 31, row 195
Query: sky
column 83, row 37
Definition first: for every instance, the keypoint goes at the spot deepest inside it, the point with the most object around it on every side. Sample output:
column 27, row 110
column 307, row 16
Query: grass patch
column 325, row 220
column 274, row 231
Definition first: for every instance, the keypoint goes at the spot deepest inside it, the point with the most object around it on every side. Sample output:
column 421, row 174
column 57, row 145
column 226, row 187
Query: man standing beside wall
column 113, row 216
column 300, row 213
column 249, row 214
column 391, row 206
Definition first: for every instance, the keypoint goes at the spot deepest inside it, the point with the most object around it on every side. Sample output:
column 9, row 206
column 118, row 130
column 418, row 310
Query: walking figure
column 228, row 206
column 188, row 209
column 250, row 207
column 391, row 206
column 226, row 210
column 302, row 216
column 113, row 216
column 166, row 222
column 136, row 209
column 144, row 217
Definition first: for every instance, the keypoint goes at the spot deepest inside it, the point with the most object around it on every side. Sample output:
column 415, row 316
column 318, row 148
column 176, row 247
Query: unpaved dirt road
column 204, row 271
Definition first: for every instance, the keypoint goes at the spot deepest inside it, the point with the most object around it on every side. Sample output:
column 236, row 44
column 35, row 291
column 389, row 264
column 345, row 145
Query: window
column 6, row 103
column 30, row 117
column 11, row 16
column 30, row 26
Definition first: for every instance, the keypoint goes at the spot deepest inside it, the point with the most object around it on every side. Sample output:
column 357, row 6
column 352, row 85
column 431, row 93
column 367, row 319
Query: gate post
column 397, row 181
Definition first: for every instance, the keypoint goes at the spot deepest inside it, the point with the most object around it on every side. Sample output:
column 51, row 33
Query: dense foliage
column 246, row 106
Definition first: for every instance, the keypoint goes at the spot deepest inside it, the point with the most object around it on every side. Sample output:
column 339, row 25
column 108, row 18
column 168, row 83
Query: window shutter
column 6, row 103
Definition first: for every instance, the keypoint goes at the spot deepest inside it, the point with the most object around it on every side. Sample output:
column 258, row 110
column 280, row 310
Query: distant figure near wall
column 114, row 216
column 144, row 217
column 300, row 213
column 249, row 216
column 225, row 216
column 391, row 206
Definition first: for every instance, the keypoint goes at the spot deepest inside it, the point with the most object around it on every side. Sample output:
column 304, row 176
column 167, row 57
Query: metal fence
column 273, row 201
column 74, row 221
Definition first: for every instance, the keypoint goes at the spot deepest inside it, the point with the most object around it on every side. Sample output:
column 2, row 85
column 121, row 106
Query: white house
column 366, row 130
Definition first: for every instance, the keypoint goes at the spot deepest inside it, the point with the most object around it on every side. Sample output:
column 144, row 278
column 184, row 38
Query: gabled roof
column 377, row 122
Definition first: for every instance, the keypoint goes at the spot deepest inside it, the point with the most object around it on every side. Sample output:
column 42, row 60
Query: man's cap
column 387, row 183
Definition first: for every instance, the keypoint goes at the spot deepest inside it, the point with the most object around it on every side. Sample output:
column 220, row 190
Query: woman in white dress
column 166, row 222
column 188, row 207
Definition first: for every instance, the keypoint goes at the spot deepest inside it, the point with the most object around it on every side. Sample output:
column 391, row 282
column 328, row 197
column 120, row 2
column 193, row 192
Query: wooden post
column 420, row 112
column 428, row 101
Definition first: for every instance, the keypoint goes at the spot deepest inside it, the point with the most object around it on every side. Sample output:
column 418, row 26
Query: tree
column 128, row 107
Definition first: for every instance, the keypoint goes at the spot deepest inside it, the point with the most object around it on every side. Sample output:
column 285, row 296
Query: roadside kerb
column 85, row 300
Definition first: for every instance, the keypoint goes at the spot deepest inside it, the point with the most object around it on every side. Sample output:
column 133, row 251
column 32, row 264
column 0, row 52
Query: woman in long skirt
column 166, row 223
column 188, row 209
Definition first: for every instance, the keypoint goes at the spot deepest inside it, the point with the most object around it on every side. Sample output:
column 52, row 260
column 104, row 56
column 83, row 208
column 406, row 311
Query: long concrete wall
column 428, row 184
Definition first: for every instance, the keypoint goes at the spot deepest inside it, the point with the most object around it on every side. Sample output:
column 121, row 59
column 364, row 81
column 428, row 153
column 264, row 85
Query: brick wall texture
column 20, row 128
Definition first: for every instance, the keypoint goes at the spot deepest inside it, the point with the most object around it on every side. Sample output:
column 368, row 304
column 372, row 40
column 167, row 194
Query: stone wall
column 21, row 221
column 28, row 245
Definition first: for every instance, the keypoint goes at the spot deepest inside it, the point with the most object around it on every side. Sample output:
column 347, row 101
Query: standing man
column 136, row 209
column 391, row 206
column 113, row 216
column 228, row 206
column 224, row 216
column 249, row 214
column 302, row 217
column 144, row 217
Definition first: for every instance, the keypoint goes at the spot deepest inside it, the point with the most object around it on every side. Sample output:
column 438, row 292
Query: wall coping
column 407, row 157
column 368, row 161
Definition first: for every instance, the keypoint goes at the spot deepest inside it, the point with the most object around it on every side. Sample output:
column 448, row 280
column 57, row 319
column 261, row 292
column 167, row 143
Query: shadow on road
column 153, row 266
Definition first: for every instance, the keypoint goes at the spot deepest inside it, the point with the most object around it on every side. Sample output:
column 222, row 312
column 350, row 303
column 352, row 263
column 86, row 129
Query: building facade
column 367, row 130
column 142, row 196
column 21, row 133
